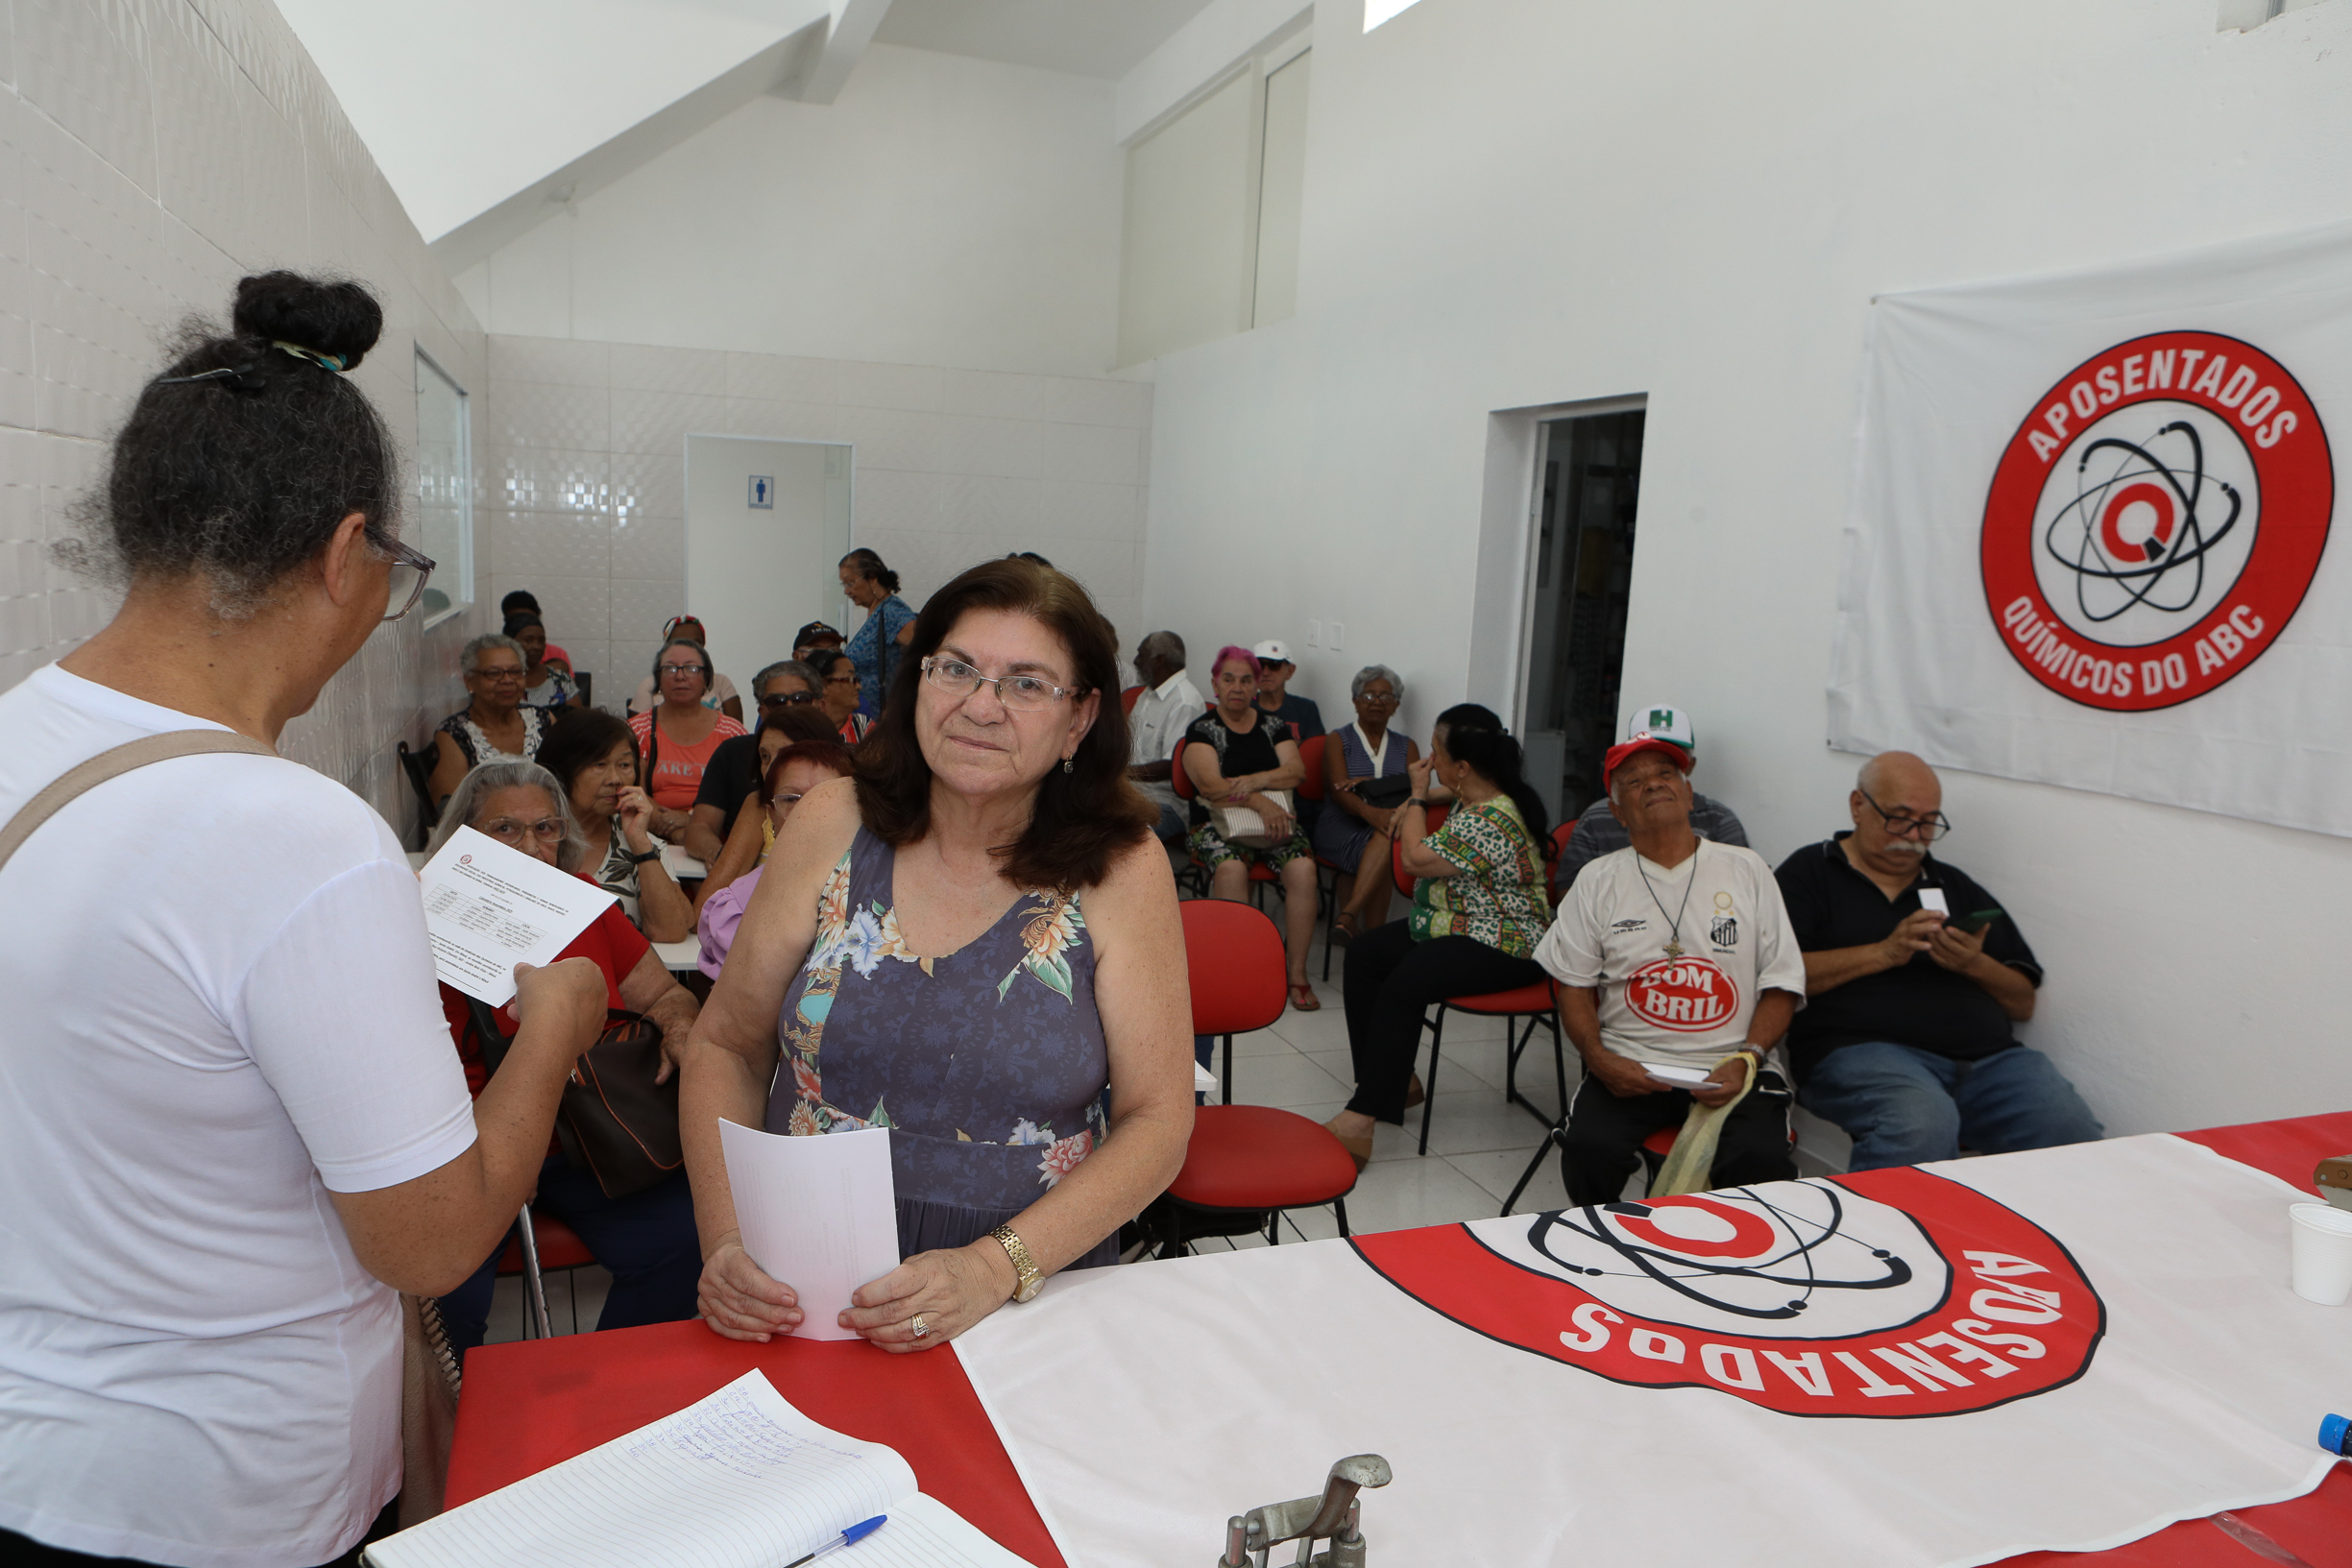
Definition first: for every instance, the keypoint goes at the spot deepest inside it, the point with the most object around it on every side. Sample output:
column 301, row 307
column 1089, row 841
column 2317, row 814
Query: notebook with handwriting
column 740, row 1480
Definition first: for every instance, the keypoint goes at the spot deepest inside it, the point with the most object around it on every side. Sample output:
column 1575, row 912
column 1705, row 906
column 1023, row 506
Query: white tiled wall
column 151, row 153
column 583, row 460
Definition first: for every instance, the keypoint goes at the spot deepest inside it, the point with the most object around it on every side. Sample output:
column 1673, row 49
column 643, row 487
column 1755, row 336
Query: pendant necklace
column 1673, row 940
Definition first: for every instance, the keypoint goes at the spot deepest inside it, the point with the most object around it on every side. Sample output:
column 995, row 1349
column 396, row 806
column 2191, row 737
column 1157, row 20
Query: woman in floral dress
column 966, row 942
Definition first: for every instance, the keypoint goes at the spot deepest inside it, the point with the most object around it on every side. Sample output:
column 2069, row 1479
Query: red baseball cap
column 1641, row 741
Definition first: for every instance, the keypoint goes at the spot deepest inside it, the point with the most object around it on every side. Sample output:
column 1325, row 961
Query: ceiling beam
column 792, row 59
column 852, row 26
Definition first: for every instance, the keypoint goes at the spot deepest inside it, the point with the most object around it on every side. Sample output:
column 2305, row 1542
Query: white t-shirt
column 1693, row 1011
column 1156, row 723
column 221, row 1006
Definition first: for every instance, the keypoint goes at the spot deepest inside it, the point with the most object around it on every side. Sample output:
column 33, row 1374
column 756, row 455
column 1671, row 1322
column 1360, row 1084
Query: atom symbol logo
column 1752, row 1256
column 2145, row 524
column 2156, row 519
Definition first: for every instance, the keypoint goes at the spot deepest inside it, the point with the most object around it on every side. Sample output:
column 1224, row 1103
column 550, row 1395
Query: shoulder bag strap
column 108, row 764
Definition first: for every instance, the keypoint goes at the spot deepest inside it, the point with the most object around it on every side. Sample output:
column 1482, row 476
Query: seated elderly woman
column 792, row 771
column 1237, row 754
column 594, row 758
column 964, row 942
column 647, row 1240
column 496, row 725
column 1479, row 908
column 1353, row 833
column 677, row 738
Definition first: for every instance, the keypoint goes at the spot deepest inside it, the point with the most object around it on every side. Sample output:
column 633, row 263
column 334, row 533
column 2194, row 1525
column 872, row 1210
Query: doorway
column 765, row 522
column 1587, row 481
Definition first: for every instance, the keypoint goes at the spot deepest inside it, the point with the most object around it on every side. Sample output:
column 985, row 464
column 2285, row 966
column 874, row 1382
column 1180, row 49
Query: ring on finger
column 920, row 1329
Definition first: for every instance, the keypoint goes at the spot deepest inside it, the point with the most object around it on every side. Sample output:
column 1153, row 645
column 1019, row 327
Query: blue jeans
column 1172, row 824
column 1906, row 1106
column 647, row 1241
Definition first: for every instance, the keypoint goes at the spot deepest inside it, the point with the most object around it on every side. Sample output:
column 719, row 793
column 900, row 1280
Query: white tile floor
column 1479, row 1144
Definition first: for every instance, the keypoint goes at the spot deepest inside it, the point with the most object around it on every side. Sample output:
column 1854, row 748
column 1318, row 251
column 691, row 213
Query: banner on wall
column 2089, row 539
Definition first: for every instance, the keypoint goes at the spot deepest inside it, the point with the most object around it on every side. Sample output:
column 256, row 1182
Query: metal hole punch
column 1251, row 1537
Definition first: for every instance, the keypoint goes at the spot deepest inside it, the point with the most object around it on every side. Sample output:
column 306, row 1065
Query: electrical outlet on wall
column 1338, row 635
column 1315, row 633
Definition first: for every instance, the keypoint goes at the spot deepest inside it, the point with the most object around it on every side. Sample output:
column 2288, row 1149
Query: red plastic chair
column 537, row 1245
column 1559, row 851
column 1126, row 699
column 1259, row 875
column 1311, row 787
column 1247, row 1159
column 1535, row 1003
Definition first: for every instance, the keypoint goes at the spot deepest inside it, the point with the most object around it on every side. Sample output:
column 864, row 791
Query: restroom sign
column 762, row 493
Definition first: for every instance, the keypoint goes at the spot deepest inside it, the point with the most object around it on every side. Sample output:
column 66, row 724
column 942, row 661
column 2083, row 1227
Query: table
column 534, row 1404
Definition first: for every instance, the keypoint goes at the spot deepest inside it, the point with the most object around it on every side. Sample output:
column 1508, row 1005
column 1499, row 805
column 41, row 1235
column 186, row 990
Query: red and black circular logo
column 2156, row 519
column 1891, row 1294
column 1688, row 994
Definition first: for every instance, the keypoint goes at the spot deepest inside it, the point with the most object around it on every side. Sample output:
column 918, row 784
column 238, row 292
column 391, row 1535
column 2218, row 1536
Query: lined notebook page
column 740, row 1480
column 925, row 1532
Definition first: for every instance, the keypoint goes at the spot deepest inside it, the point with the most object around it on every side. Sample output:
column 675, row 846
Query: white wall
column 582, row 448
column 942, row 211
column 1514, row 203
column 151, row 153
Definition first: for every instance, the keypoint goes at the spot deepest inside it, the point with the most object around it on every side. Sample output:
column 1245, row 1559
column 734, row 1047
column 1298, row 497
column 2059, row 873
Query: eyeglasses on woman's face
column 793, row 698
column 411, row 569
column 498, row 674
column 1021, row 692
column 1377, row 695
column 672, row 671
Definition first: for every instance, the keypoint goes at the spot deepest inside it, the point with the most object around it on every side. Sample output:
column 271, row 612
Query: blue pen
column 848, row 1537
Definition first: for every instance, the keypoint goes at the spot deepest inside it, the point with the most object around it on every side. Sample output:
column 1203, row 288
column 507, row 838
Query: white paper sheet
column 820, row 1214
column 489, row 907
column 739, row 1479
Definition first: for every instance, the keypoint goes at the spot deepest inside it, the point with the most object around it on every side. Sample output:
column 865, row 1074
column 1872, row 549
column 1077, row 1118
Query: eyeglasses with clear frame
column 411, row 571
column 1902, row 825
column 682, row 670
column 1020, row 692
column 512, row 831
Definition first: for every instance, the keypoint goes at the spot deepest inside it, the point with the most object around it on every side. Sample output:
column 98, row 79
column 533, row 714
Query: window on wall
column 1210, row 246
column 444, row 491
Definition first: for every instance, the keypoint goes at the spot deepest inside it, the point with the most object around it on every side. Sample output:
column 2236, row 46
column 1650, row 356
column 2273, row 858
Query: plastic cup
column 2323, row 1253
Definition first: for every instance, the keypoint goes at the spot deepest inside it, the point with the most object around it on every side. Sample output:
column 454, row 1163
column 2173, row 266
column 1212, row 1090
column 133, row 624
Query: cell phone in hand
column 1977, row 921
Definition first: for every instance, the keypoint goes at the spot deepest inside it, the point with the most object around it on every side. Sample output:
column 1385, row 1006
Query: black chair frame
column 1518, row 1041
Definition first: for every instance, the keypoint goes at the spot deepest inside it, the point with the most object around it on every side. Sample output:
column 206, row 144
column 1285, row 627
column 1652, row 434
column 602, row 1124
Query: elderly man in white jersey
column 1678, row 975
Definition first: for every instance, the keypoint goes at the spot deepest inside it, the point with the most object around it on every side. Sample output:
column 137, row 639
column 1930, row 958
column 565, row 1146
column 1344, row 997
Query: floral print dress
column 987, row 1064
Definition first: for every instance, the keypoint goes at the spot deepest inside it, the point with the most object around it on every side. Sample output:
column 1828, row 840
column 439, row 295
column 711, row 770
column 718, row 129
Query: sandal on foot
column 1359, row 1150
column 1348, row 926
column 1304, row 999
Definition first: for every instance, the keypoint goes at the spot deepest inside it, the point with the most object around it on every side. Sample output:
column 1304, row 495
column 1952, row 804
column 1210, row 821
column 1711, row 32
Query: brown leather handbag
column 613, row 1120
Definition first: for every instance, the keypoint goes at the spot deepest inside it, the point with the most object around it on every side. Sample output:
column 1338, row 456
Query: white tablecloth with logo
column 1949, row 1366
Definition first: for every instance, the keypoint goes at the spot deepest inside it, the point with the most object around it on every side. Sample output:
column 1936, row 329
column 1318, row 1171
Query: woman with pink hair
column 1238, row 755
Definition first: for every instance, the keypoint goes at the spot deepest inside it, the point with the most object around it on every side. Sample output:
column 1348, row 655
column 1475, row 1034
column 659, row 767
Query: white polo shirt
column 1692, row 1009
column 1156, row 723
column 221, row 1008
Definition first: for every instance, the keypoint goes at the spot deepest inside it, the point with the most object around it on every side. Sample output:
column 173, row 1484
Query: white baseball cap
column 1273, row 649
column 1662, row 721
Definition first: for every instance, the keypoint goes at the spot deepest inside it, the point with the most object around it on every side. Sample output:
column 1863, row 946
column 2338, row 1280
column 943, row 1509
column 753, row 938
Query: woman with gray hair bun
column 496, row 724
column 1353, row 833
column 646, row 1239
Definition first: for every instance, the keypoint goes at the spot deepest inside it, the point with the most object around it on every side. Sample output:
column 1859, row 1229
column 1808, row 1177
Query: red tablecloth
column 534, row 1404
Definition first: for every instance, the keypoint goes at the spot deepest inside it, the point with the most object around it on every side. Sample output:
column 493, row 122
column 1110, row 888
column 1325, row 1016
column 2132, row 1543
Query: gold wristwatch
column 1029, row 1282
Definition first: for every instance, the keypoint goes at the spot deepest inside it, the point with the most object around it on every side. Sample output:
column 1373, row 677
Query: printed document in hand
column 740, row 1479
column 488, row 908
column 819, row 1213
